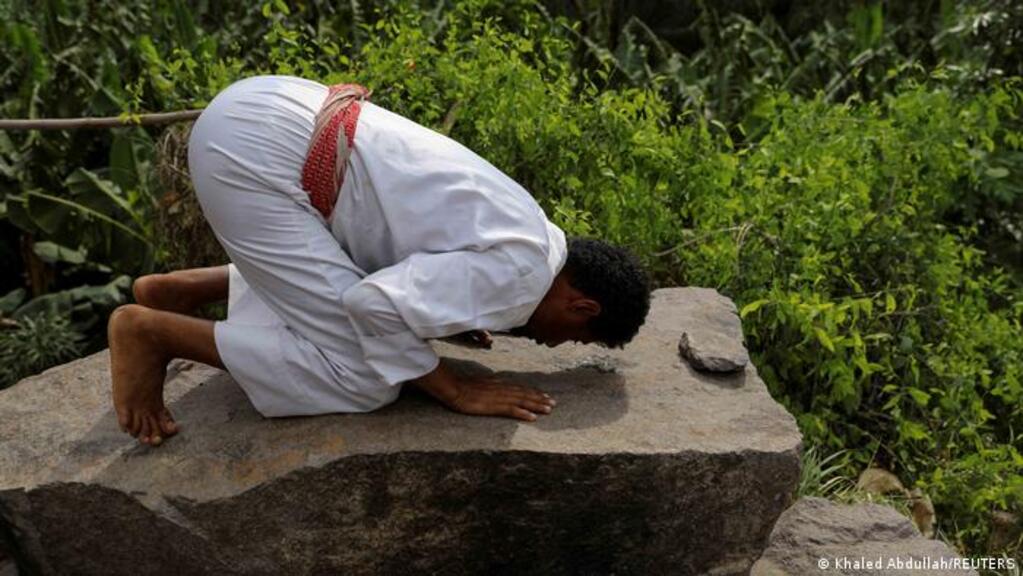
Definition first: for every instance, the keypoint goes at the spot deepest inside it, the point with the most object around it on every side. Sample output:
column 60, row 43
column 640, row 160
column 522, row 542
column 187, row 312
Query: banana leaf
column 12, row 300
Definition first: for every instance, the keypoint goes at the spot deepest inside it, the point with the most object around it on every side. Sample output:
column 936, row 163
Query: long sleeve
column 432, row 295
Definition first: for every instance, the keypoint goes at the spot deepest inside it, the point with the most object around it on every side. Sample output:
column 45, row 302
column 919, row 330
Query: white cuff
column 399, row 357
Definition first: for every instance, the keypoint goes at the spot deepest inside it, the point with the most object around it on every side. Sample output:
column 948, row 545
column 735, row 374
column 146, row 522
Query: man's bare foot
column 137, row 368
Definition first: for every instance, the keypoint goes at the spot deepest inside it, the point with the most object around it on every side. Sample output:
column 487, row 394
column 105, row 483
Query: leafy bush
column 726, row 64
column 85, row 308
column 875, row 323
column 35, row 344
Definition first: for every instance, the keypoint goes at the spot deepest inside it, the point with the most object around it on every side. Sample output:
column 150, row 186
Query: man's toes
column 123, row 420
column 146, row 430
column 155, row 436
column 167, row 424
column 136, row 423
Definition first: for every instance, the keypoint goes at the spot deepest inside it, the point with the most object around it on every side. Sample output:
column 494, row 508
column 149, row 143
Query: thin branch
column 105, row 122
column 450, row 117
column 696, row 239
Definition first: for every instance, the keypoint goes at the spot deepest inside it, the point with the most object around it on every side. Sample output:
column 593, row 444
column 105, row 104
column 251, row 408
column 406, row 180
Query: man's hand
column 489, row 396
column 484, row 395
column 472, row 339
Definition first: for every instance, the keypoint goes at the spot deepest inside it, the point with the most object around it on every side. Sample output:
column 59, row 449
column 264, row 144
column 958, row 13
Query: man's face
column 560, row 333
column 562, row 316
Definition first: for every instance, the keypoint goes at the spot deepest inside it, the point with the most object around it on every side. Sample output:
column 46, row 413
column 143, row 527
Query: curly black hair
column 614, row 277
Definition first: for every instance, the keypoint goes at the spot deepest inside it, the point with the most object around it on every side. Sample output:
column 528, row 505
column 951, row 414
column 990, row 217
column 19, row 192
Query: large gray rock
column 817, row 536
column 644, row 467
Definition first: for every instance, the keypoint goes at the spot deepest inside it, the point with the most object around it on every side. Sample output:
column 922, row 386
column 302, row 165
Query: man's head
column 601, row 295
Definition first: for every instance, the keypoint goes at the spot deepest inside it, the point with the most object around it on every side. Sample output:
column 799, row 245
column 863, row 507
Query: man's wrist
column 440, row 383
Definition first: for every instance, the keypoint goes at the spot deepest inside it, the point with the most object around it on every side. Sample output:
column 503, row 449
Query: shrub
column 876, row 323
column 35, row 344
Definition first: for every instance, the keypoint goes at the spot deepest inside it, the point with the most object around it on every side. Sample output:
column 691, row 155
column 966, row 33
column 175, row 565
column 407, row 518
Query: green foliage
column 723, row 62
column 830, row 477
column 821, row 476
column 54, row 328
column 37, row 343
column 85, row 307
column 728, row 65
column 874, row 322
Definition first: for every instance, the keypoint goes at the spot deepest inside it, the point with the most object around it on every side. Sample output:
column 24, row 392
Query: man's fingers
column 526, row 393
column 536, row 406
column 472, row 338
column 485, row 338
column 522, row 414
column 497, row 404
column 520, row 393
column 489, row 395
column 496, row 383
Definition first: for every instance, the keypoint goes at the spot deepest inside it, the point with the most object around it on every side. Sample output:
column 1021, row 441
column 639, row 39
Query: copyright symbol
column 823, row 563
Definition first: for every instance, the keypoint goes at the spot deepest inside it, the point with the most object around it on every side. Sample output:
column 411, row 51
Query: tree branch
column 106, row 122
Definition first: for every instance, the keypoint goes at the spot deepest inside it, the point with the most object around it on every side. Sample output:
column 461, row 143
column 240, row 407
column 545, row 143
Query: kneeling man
column 355, row 235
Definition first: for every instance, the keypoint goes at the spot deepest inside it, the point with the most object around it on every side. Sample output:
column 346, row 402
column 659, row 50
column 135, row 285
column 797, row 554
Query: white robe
column 427, row 240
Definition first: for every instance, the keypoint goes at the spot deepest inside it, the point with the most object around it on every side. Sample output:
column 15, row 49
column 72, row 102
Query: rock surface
column 644, row 467
column 712, row 334
column 817, row 536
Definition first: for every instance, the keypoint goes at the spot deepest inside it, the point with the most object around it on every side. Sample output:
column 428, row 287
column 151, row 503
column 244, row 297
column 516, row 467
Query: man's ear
column 585, row 306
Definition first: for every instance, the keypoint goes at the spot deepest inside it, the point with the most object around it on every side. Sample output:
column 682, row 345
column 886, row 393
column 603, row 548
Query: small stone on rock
column 712, row 337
